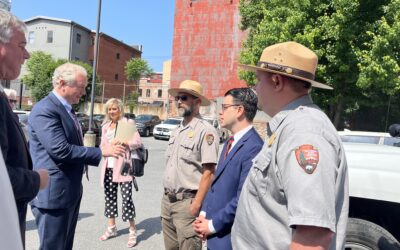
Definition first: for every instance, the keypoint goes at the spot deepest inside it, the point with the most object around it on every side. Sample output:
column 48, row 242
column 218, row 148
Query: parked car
column 145, row 124
column 223, row 133
column 130, row 116
column 164, row 130
column 23, row 121
column 96, row 128
column 369, row 137
column 374, row 189
column 99, row 117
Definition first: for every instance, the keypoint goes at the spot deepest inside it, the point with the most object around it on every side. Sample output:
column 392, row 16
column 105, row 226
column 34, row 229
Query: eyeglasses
column 183, row 98
column 12, row 101
column 226, row 106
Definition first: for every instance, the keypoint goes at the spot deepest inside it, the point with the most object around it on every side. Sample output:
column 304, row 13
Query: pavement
column 92, row 223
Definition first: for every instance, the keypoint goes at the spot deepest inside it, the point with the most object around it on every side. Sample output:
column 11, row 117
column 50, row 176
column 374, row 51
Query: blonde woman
column 111, row 173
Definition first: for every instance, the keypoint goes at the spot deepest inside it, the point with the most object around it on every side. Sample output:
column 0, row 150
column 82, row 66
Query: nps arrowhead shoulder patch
column 307, row 156
column 210, row 139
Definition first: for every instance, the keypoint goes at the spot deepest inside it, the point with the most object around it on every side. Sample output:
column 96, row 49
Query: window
column 31, row 37
column 78, row 38
column 147, row 92
column 92, row 41
column 49, row 36
column 140, row 92
column 159, row 93
column 117, row 56
column 116, row 76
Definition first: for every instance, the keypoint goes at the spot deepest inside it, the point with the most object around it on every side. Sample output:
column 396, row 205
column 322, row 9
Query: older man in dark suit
column 56, row 144
column 219, row 207
column 25, row 182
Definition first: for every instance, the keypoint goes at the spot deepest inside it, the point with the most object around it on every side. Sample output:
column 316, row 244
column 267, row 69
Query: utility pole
column 90, row 137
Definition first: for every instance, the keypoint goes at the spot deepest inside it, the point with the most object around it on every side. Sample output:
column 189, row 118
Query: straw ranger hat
column 290, row 59
column 193, row 88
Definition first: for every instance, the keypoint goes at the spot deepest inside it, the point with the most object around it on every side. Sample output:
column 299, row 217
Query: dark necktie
column 228, row 146
column 77, row 125
column 79, row 130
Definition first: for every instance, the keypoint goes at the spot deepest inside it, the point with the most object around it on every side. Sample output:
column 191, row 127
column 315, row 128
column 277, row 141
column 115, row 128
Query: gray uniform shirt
column 298, row 178
column 189, row 147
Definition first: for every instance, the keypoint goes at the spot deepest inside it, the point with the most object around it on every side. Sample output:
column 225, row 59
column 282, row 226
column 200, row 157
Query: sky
column 136, row 22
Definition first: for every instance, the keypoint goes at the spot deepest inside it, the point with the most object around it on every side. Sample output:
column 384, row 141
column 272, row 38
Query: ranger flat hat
column 193, row 88
column 290, row 59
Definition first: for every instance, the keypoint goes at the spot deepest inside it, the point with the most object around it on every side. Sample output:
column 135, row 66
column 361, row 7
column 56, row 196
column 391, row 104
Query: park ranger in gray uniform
column 296, row 194
column 192, row 154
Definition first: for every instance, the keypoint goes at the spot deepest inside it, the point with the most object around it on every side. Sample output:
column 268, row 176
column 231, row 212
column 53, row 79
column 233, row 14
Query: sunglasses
column 183, row 98
column 12, row 101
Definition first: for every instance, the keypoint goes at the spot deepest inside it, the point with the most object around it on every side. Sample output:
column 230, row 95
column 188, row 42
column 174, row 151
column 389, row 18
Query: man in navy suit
column 25, row 182
column 56, row 144
column 219, row 207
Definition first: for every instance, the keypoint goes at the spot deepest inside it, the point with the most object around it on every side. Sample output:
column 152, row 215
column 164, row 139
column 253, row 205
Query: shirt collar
column 64, row 102
column 240, row 134
column 274, row 123
column 192, row 124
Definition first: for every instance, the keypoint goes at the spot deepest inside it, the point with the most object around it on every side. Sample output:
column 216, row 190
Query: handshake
column 115, row 149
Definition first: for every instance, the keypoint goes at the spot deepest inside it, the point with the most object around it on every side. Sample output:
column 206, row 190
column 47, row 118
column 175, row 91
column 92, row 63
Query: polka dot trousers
column 110, row 191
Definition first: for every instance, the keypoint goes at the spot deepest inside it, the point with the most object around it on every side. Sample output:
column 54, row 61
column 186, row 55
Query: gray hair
column 10, row 92
column 9, row 22
column 67, row 72
column 110, row 102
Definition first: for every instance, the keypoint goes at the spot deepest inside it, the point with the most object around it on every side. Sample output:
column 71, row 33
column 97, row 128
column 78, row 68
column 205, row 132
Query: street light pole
column 90, row 137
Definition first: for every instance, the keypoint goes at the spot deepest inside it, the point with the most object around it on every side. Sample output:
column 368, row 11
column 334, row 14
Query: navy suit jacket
column 223, row 195
column 55, row 145
column 24, row 181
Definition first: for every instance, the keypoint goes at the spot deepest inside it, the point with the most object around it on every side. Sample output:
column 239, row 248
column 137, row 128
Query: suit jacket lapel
column 222, row 164
column 69, row 119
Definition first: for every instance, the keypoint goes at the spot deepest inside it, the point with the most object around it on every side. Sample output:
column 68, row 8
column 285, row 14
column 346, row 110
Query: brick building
column 113, row 55
column 66, row 39
column 206, row 44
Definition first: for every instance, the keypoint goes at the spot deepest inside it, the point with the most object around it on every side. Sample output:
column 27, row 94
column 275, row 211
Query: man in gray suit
column 25, row 182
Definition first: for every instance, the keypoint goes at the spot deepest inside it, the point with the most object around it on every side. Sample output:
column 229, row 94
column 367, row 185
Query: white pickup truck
column 374, row 179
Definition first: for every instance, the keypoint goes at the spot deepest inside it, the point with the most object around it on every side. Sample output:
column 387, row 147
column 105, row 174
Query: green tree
column 356, row 42
column 135, row 68
column 40, row 71
column 132, row 100
column 41, row 67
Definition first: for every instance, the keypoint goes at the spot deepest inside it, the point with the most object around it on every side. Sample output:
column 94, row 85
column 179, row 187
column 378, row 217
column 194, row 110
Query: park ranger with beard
column 191, row 156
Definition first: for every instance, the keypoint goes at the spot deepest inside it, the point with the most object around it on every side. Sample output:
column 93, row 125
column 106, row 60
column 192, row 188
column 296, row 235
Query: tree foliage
column 132, row 100
column 356, row 42
column 41, row 67
column 135, row 68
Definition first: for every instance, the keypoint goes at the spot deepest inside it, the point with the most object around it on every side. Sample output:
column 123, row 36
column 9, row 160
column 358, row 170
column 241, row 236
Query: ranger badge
column 307, row 156
column 210, row 139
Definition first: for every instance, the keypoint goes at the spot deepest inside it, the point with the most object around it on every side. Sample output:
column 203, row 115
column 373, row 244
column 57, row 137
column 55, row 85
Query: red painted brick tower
column 206, row 45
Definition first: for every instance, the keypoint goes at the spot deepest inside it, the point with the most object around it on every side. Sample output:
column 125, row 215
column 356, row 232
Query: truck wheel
column 365, row 235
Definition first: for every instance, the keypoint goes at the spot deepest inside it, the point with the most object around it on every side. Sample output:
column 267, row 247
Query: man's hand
column 194, row 207
column 200, row 226
column 113, row 150
column 44, row 178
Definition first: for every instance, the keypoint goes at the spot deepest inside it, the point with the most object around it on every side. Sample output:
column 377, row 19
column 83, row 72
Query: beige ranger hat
column 290, row 59
column 193, row 88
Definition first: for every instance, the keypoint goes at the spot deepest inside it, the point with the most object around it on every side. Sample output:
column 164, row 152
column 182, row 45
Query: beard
column 186, row 112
